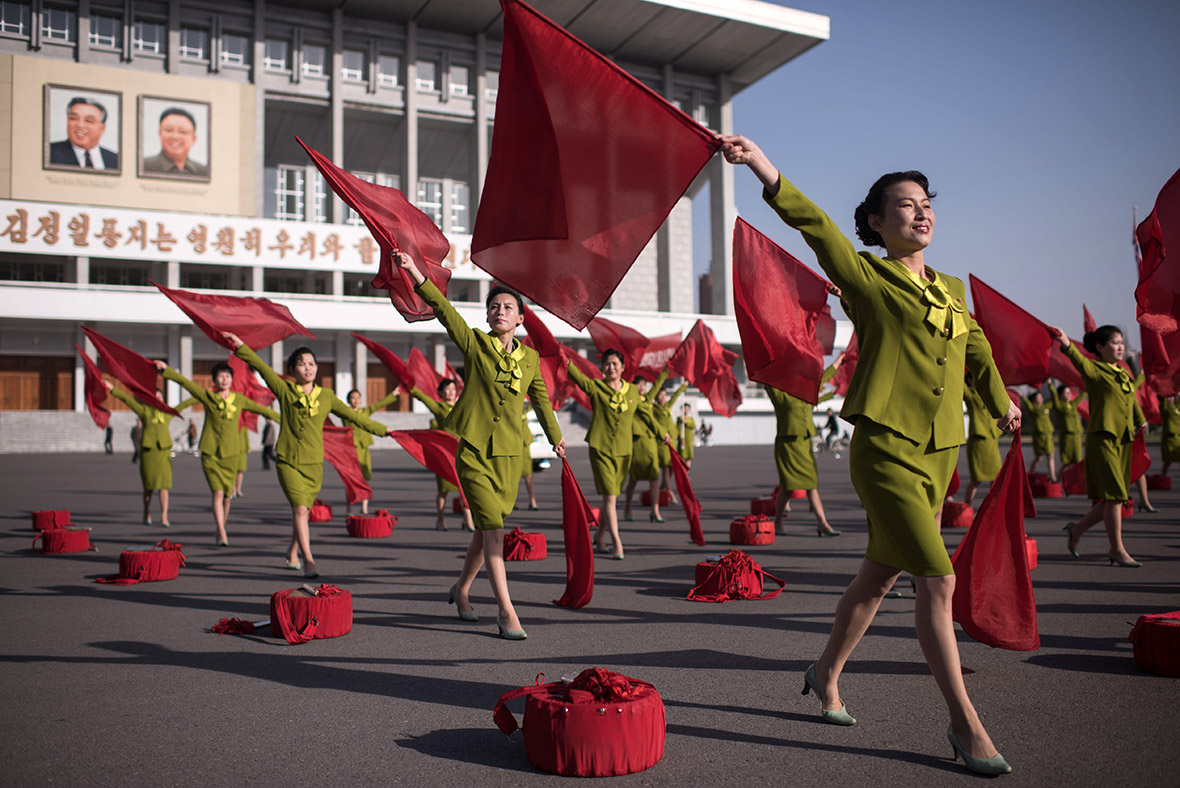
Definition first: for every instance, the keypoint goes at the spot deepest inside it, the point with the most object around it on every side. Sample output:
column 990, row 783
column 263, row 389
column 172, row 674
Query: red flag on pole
column 688, row 498
column 777, row 302
column 340, row 452
column 707, row 365
column 96, row 392
column 1157, row 297
column 246, row 383
column 1088, row 323
column 137, row 373
column 398, row 226
column 576, row 520
column 586, row 164
column 257, row 321
column 1021, row 344
column 657, row 354
column 391, row 361
column 608, row 334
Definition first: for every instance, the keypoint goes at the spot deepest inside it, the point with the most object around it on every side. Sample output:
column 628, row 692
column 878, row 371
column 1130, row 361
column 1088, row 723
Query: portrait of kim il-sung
column 174, row 138
column 82, row 130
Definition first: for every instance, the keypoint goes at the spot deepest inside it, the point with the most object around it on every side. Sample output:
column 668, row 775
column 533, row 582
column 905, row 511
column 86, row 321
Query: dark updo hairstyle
column 1099, row 336
column 349, row 395
column 293, row 359
column 499, row 289
column 1061, row 389
column 874, row 202
column 610, row 351
column 442, row 384
column 220, row 367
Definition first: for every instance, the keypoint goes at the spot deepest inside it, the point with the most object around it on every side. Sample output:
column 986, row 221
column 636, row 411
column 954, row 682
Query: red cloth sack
column 1046, row 489
column 298, row 616
column 1128, row 508
column 163, row 562
column 64, row 540
column 735, row 576
column 457, row 505
column 51, row 518
column 956, row 514
column 1030, row 549
column 601, row 724
column 595, row 513
column 521, row 546
column 1157, row 481
column 794, row 494
column 320, row 512
column 764, row 505
column 371, row 526
column 1073, row 479
column 1157, row 643
column 665, row 498
column 753, row 529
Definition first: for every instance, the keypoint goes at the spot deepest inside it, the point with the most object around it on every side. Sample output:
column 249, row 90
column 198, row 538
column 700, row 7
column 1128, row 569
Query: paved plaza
column 125, row 686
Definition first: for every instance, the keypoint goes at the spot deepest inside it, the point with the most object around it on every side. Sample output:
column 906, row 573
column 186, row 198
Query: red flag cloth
column 843, row 376
column 657, row 354
column 453, row 375
column 777, row 302
column 553, row 363
column 953, row 487
column 1020, row 343
column 246, row 383
column 257, row 321
column 424, row 373
column 586, row 164
column 1140, row 459
column 340, row 451
column 993, row 599
column 1160, row 360
column 688, row 498
column 391, row 361
column 137, row 373
column 1088, row 323
column 825, row 330
column 435, row 449
column 96, row 392
column 1061, row 368
column 607, row 334
column 576, row 521
column 398, row 226
column 1157, row 297
column 588, row 368
column 1149, row 403
column 708, row 366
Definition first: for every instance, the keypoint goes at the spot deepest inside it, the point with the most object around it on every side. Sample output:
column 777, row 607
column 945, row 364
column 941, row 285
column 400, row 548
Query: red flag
column 424, row 373
column 1140, row 459
column 993, row 599
column 552, row 362
column 708, row 366
column 688, row 498
column 607, row 334
column 1021, row 344
column 257, row 321
column 398, row 226
column 340, row 451
column 137, row 373
column 953, row 487
column 657, row 354
column 391, row 361
column 1156, row 297
column 586, row 164
column 576, row 520
column 453, row 375
column 1088, row 323
column 246, row 383
column 777, row 302
column 1061, row 368
column 587, row 367
column 433, row 448
column 843, row 376
column 96, row 392
column 825, row 330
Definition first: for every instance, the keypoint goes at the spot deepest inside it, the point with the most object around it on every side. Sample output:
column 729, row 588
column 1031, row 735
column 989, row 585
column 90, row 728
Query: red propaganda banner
column 657, row 354
column 707, row 365
column 586, row 163
column 96, row 392
column 608, row 334
column 390, row 361
column 340, row 452
column 257, row 321
column 398, row 226
column 137, row 373
column 1157, row 297
column 1021, row 344
column 246, row 383
column 576, row 519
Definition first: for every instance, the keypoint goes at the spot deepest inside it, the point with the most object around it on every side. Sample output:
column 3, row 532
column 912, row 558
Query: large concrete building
column 197, row 181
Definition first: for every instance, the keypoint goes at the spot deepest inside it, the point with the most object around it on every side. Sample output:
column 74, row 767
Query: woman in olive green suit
column 983, row 448
column 1042, row 429
column 1115, row 418
column 905, row 401
column 243, row 456
column 614, row 407
column 666, row 425
column 645, row 454
column 526, row 458
column 500, row 370
column 794, row 458
column 221, row 445
column 686, row 429
column 155, row 452
column 362, row 440
column 1170, row 440
column 304, row 407
column 441, row 408
column 1065, row 405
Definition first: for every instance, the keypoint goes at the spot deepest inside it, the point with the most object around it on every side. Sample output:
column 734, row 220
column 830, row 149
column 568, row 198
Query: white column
column 410, row 179
column 259, row 108
column 186, row 352
column 481, row 120
column 336, row 86
column 664, row 234
column 80, row 369
column 82, row 270
column 172, row 389
column 361, row 370
column 440, row 355
column 257, row 278
column 278, row 359
column 172, row 274
column 723, row 211
column 338, row 284
column 344, row 364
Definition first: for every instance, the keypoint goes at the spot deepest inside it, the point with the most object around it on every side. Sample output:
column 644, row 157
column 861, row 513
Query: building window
column 14, row 18
column 205, row 277
column 430, row 199
column 388, row 67
column 32, row 268
column 127, row 273
column 235, row 49
column 701, row 115
column 319, row 199
column 289, row 191
column 493, row 88
column 427, row 79
column 58, row 24
column 194, row 43
column 379, row 178
column 315, row 59
column 148, row 37
column 354, row 65
column 278, row 55
column 106, row 31
column 460, row 207
column 460, row 81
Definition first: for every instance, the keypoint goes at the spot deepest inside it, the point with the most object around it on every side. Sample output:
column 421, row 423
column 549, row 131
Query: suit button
column 946, row 333
column 941, row 360
column 938, row 391
column 496, row 419
column 501, row 402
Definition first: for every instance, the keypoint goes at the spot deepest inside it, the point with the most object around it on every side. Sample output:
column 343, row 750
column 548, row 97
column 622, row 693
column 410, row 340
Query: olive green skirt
column 609, row 471
column 1170, row 447
column 1108, row 467
column 366, row 461
column 220, row 472
column 795, row 462
column 645, row 459
column 443, row 486
column 489, row 484
column 1071, row 447
column 155, row 468
column 301, row 483
column 245, row 454
column 983, row 459
column 901, row 485
column 684, row 449
column 1043, row 444
column 526, row 463
column 665, row 455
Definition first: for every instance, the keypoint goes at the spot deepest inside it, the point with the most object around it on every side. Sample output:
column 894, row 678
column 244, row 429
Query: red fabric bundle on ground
column 340, row 452
column 1157, row 296
column 1046, row 489
column 1020, row 343
column 46, row 519
column 708, row 366
column 657, row 354
column 246, row 383
column 148, row 566
column 688, row 498
column 1073, row 478
column 586, row 163
column 96, row 393
column 576, row 521
column 665, row 498
column 320, row 512
column 391, row 361
column 233, row 626
column 1030, row 548
column 735, row 576
column 956, row 514
column 298, row 617
column 1157, row 643
column 371, row 526
column 777, row 302
column 64, row 540
column 994, row 599
column 1128, row 508
column 457, row 506
column 396, row 225
column 608, row 334
column 755, row 529
column 258, row 322
column 764, row 505
column 601, row 724
column 522, row 546
column 1157, row 481
column 137, row 373
column 953, row 487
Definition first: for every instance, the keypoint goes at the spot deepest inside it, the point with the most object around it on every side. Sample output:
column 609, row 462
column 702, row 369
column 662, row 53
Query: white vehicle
column 540, row 450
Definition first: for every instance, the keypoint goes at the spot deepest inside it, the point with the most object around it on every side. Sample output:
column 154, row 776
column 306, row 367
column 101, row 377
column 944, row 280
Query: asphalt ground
column 107, row 685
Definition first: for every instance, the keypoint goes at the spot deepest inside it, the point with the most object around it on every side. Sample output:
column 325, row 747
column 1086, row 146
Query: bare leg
column 301, row 538
column 630, row 494
column 493, row 557
column 969, row 495
column 528, row 485
column 164, row 496
column 688, row 463
column 440, row 524
column 936, row 636
column 608, row 523
column 1052, row 467
column 780, row 508
column 817, row 506
column 470, row 526
column 654, row 491
column 220, row 503
column 472, row 562
column 1144, row 501
column 147, row 506
column 1112, row 517
column 238, row 486
column 666, row 482
column 365, row 506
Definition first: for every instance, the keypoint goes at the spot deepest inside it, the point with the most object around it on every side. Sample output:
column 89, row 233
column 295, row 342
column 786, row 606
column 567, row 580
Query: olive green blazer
column 665, row 424
column 1170, row 417
column 220, row 436
column 302, row 416
column 188, row 403
column 980, row 423
column 792, row 415
column 440, row 409
column 685, row 429
column 487, row 414
column 1113, row 406
column 362, row 438
column 1041, row 416
column 909, row 376
column 155, row 422
column 1068, row 417
column 610, row 424
column 647, row 428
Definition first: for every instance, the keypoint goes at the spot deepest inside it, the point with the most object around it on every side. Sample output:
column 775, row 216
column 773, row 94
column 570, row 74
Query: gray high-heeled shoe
column 991, row 766
column 838, row 716
column 465, row 615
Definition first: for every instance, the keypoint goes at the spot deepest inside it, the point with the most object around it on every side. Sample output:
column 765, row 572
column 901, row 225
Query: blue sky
column 1039, row 125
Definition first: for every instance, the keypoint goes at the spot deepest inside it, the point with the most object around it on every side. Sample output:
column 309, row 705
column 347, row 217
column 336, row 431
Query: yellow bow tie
column 1123, row 378
column 159, row 417
column 618, row 399
column 509, row 368
column 309, row 401
column 944, row 312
